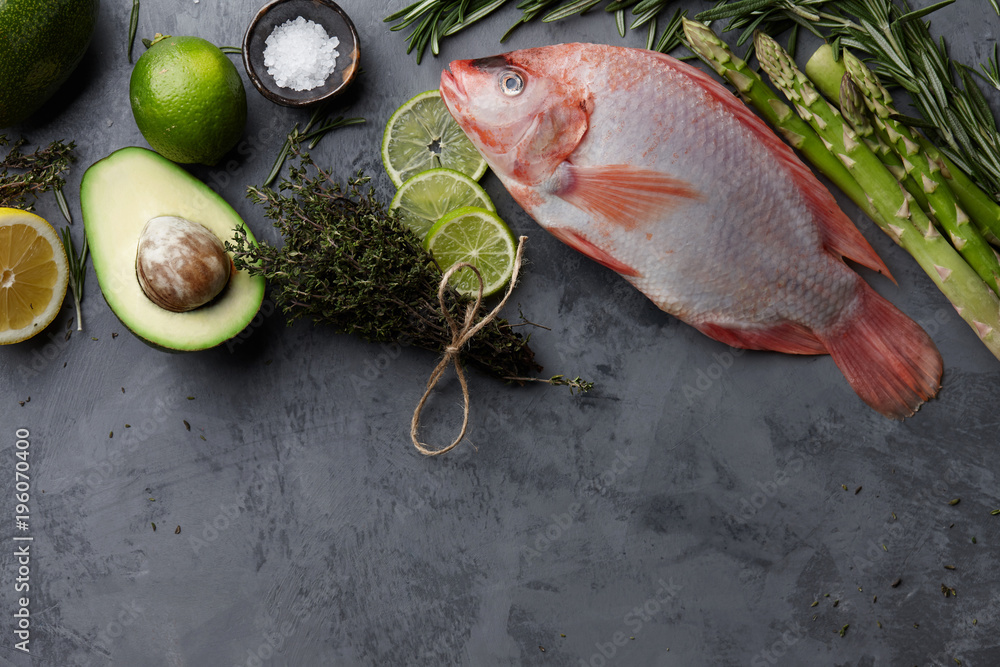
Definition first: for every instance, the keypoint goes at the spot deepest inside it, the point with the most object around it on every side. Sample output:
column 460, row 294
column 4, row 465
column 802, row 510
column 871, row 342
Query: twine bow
column 460, row 335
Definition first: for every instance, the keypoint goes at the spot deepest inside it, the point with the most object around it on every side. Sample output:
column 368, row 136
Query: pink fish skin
column 653, row 169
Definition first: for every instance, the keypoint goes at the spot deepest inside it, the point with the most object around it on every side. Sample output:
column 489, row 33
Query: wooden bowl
column 336, row 23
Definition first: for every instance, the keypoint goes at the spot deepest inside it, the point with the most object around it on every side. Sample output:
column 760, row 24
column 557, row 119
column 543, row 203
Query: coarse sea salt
column 300, row 55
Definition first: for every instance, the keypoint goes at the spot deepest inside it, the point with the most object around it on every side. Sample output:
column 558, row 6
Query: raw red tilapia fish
column 656, row 171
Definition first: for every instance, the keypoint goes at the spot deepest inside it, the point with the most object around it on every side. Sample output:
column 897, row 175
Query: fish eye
column 511, row 83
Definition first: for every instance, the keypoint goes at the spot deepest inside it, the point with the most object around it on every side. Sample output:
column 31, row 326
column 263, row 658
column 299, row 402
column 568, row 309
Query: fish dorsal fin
column 840, row 236
column 621, row 194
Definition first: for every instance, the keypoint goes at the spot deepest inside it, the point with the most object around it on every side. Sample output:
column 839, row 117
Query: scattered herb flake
column 974, row 539
column 844, row 487
column 114, row 335
column 949, row 567
column 154, row 526
column 190, row 398
column 946, row 590
column 203, row 438
column 843, row 630
column 954, row 501
column 896, row 583
column 177, row 530
column 815, row 602
column 857, row 490
column 187, row 425
column 541, row 648
column 111, row 434
column 995, row 512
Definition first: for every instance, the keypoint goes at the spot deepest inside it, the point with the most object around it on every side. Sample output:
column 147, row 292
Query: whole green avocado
column 41, row 43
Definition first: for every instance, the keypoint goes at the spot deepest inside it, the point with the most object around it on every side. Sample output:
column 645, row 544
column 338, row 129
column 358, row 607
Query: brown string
column 460, row 335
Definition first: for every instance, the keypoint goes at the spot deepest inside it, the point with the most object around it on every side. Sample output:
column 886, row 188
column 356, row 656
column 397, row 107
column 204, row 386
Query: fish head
column 525, row 111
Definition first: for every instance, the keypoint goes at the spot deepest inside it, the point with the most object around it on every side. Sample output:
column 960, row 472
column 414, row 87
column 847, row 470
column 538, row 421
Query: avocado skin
column 41, row 43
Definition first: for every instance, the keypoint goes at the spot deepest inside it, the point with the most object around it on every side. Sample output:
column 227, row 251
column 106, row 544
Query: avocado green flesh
column 41, row 43
column 118, row 195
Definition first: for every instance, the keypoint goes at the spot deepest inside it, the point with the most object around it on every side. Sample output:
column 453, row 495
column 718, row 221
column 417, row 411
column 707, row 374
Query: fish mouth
column 451, row 89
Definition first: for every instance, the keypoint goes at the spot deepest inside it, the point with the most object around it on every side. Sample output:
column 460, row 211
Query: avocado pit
column 181, row 265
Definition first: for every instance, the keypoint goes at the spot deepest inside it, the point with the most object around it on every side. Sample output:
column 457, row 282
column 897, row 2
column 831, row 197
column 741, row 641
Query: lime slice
column 479, row 237
column 425, row 198
column 422, row 135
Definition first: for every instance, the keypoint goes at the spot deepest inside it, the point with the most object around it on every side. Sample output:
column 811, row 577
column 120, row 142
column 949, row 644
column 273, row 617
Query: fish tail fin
column 890, row 362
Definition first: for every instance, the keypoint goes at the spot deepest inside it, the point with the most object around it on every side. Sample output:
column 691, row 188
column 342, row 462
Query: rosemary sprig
column 63, row 206
column 347, row 262
column 433, row 20
column 236, row 50
column 133, row 25
column 992, row 73
column 308, row 132
column 77, row 271
column 24, row 176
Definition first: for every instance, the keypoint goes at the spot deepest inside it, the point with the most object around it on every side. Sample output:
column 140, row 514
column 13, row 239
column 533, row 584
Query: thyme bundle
column 349, row 263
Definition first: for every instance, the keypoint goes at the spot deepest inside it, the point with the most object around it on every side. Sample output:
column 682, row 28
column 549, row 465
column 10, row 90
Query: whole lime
column 41, row 43
column 188, row 100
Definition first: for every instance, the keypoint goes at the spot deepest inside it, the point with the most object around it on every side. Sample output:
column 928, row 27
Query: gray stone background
column 689, row 511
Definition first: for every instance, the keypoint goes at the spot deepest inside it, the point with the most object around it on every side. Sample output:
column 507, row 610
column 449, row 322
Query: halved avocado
column 119, row 195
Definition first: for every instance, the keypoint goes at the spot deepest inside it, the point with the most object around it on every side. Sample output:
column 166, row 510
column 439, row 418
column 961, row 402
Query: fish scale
column 653, row 169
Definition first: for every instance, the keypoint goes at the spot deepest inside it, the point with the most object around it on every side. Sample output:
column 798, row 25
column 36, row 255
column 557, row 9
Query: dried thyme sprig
column 348, row 263
column 24, row 176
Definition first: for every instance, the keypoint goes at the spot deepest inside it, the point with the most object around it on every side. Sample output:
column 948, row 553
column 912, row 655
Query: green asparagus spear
column 855, row 112
column 716, row 53
column 902, row 219
column 927, row 168
column 826, row 72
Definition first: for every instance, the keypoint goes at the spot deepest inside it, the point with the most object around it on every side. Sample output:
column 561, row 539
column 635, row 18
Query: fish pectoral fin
column 580, row 243
column 621, row 194
column 787, row 337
